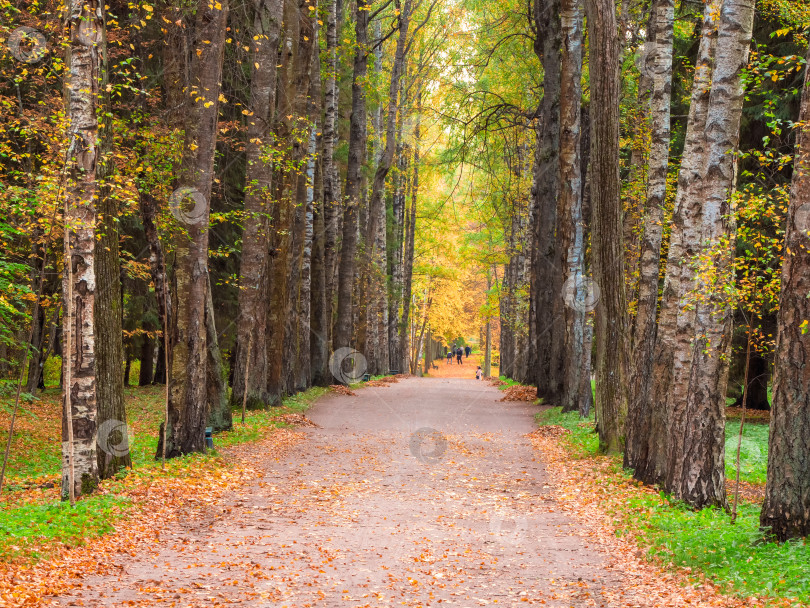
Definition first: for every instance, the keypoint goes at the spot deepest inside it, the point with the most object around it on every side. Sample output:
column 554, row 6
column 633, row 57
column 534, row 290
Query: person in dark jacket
column 467, row 351
column 459, row 352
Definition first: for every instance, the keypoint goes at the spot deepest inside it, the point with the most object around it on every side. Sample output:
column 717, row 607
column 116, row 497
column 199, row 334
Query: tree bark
column 571, row 235
column 378, row 291
column 258, row 194
column 665, row 344
column 331, row 177
column 410, row 235
column 357, row 156
column 608, row 251
column 113, row 441
column 220, row 417
column 188, row 398
column 546, row 283
column 157, row 268
column 657, row 62
column 786, row 512
column 297, row 338
column 86, row 64
column 146, row 374
column 704, row 233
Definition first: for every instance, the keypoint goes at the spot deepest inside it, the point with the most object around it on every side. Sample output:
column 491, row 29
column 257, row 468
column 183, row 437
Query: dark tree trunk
column 251, row 328
column 297, row 338
column 546, row 283
column 357, row 156
column 786, row 512
column 113, row 443
column 36, row 362
column 157, row 268
column 220, row 417
column 292, row 129
column 145, row 377
column 608, row 251
column 188, row 398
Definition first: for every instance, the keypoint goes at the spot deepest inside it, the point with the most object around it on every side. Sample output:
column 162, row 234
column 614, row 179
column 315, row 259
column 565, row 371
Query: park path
column 423, row 493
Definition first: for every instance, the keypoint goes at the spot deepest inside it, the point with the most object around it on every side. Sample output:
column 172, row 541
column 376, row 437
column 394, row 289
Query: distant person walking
column 479, row 373
column 449, row 357
column 467, row 352
column 459, row 352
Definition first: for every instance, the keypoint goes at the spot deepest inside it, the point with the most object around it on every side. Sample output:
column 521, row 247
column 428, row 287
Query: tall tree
column 377, row 213
column 409, row 237
column 608, row 249
column 330, row 173
column 258, row 183
column 696, row 458
column 695, row 327
column 357, row 155
column 688, row 177
column 113, row 441
column 786, row 511
column 571, row 232
column 188, row 401
column 85, row 62
column 657, row 65
column 546, row 283
column 298, row 328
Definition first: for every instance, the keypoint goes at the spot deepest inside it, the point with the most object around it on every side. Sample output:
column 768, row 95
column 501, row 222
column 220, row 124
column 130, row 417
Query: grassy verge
column 33, row 519
column 736, row 557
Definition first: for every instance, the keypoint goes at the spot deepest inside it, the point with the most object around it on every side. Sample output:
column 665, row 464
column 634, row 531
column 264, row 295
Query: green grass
column 31, row 519
column 735, row 556
column 753, row 451
column 45, row 524
column 507, row 382
column 582, row 439
column 738, row 557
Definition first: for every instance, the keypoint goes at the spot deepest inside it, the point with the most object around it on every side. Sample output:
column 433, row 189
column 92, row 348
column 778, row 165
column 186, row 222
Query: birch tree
column 571, row 232
column 657, row 64
column 85, row 60
column 691, row 362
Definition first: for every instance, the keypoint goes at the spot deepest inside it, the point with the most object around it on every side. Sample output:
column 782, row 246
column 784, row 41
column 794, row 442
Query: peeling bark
column 639, row 417
column 86, row 62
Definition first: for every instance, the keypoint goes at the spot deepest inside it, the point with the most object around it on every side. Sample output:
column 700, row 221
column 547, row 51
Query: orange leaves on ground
column 297, row 420
column 520, row 393
column 551, row 430
column 186, row 491
column 581, row 488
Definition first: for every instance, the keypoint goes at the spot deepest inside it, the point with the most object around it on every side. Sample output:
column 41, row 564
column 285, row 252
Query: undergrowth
column 33, row 518
column 738, row 557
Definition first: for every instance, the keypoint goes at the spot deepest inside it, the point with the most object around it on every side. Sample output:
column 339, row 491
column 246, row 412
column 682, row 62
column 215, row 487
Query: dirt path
column 372, row 511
